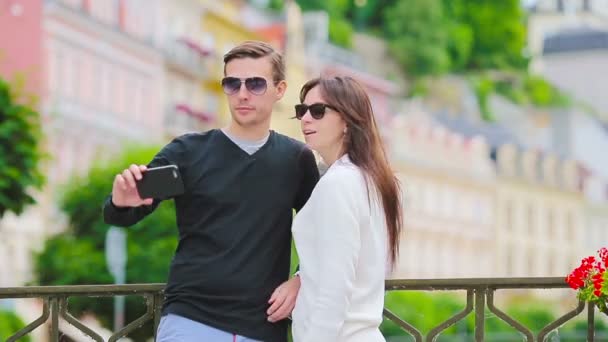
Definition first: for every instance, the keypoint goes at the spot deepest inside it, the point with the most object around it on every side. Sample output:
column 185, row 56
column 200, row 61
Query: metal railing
column 55, row 299
column 480, row 294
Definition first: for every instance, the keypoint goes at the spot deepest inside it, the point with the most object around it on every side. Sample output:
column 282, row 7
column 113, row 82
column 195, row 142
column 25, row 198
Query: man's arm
column 125, row 207
column 309, row 176
column 125, row 216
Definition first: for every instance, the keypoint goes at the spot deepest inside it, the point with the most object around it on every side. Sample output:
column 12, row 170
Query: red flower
column 590, row 273
column 577, row 278
column 603, row 252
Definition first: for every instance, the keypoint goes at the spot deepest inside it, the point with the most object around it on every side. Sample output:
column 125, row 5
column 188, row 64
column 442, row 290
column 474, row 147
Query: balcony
column 182, row 118
column 186, row 56
column 480, row 298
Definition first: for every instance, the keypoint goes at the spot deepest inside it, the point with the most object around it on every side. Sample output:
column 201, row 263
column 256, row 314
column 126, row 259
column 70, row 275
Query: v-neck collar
column 244, row 153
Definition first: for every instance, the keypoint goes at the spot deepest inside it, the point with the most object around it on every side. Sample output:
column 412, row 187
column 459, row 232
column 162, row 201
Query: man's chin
column 248, row 121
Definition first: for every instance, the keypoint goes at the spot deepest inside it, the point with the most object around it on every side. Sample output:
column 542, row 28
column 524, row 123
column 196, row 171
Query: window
column 531, row 221
column 73, row 3
column 570, row 227
column 430, row 199
column 94, row 81
column 75, row 74
column 137, row 101
column 67, row 75
column 212, row 105
column 105, row 99
column 551, row 262
column 54, row 70
column 509, row 217
column 550, row 222
column 105, row 11
column 208, row 41
column 477, row 210
column 118, row 92
column 532, row 256
column 84, row 79
column 410, row 194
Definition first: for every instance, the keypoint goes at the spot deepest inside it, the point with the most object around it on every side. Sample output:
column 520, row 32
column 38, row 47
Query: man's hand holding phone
column 124, row 189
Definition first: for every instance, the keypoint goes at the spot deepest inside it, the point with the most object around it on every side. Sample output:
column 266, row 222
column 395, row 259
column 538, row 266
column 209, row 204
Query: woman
column 348, row 231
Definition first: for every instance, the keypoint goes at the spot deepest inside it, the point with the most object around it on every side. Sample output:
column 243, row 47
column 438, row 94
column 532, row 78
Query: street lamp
column 116, row 259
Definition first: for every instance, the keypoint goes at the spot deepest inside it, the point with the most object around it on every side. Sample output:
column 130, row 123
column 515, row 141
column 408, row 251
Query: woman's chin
column 309, row 141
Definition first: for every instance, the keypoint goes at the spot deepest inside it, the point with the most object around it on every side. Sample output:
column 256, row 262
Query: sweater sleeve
column 172, row 153
column 337, row 224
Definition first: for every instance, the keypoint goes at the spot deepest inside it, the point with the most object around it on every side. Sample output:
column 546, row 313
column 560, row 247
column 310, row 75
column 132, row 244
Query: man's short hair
column 258, row 49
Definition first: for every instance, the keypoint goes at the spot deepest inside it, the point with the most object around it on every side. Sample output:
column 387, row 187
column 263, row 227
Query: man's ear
column 281, row 88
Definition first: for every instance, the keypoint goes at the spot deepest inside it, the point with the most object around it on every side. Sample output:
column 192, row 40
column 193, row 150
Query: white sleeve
column 336, row 218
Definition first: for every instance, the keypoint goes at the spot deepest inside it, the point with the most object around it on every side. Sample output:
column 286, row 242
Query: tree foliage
column 20, row 154
column 10, row 323
column 417, row 35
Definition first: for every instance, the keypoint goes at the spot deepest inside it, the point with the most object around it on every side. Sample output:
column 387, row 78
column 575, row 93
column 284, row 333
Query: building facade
column 540, row 219
column 449, row 196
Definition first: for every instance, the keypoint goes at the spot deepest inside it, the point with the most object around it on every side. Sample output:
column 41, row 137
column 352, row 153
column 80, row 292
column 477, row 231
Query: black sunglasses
column 317, row 110
column 255, row 85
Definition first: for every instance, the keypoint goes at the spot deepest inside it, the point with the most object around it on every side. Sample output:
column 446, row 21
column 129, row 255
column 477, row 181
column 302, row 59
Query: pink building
column 99, row 77
column 21, row 42
column 103, row 80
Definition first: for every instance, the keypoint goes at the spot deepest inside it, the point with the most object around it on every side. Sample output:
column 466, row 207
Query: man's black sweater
column 234, row 223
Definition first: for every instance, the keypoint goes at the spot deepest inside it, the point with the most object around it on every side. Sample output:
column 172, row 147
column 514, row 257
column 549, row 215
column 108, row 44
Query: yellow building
column 223, row 34
column 296, row 74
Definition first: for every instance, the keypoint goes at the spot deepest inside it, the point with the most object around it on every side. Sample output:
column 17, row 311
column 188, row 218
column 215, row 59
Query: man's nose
column 243, row 92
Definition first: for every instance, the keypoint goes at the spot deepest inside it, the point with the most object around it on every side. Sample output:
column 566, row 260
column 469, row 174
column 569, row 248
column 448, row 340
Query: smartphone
column 160, row 182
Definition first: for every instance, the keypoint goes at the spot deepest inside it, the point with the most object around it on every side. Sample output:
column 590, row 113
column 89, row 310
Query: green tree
column 424, row 311
column 367, row 14
column 19, row 152
column 340, row 32
column 417, row 36
column 151, row 242
column 9, row 325
column 498, row 29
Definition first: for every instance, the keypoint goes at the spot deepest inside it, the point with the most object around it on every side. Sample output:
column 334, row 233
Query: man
column 228, row 278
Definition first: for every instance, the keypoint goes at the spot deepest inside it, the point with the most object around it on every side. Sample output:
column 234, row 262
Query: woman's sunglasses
column 317, row 110
column 255, row 85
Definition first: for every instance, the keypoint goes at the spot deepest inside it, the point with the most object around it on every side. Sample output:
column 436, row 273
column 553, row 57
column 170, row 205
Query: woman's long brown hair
column 364, row 146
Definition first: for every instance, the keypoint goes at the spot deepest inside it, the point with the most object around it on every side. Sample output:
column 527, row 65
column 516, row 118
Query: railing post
column 590, row 322
column 54, row 319
column 480, row 304
column 158, row 304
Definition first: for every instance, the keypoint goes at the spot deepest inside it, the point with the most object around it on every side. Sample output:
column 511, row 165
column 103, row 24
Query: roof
column 580, row 39
column 494, row 134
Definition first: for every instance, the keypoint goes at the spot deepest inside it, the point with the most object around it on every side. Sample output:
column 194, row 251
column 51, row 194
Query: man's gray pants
column 174, row 328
